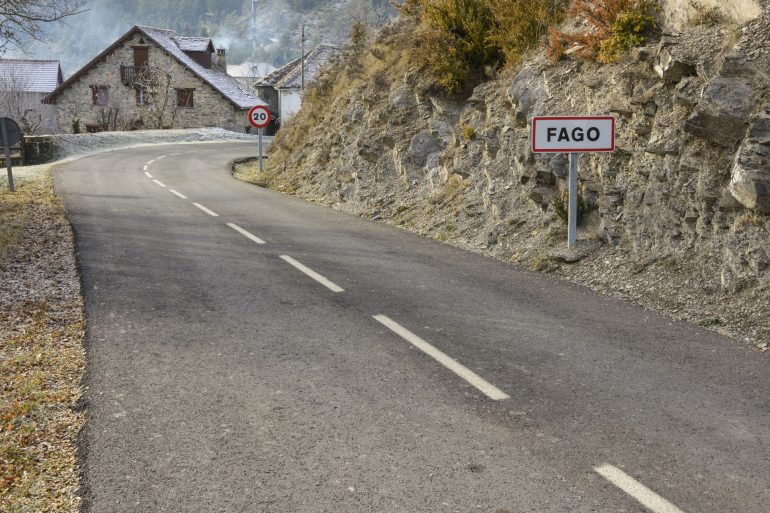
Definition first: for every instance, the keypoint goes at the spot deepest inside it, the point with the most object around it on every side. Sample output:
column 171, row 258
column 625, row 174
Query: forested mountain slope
column 276, row 39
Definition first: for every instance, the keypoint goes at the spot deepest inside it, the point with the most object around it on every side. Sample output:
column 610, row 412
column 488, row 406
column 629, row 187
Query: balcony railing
column 131, row 75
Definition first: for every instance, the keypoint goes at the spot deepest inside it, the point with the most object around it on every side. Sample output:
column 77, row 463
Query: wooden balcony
column 131, row 75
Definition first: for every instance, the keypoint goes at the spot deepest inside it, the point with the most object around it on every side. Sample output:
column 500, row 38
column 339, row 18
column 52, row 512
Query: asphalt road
column 416, row 378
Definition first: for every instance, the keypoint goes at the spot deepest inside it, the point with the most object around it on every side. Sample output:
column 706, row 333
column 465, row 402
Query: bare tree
column 26, row 108
column 23, row 20
column 154, row 88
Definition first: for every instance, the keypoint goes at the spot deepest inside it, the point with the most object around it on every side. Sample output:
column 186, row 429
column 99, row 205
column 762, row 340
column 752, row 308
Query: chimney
column 222, row 59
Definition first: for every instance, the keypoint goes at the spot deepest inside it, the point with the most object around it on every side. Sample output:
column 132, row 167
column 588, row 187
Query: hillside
column 676, row 219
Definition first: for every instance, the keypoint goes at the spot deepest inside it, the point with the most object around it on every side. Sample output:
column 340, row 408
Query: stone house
column 282, row 89
column 23, row 85
column 153, row 78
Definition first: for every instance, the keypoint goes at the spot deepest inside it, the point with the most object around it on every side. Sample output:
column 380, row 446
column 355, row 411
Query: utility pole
column 254, row 24
column 303, row 54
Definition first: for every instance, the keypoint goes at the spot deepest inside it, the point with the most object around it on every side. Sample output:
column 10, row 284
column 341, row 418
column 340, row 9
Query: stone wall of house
column 210, row 108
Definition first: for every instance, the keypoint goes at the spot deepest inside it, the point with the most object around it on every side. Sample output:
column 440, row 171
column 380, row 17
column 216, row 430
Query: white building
column 23, row 85
column 249, row 72
column 282, row 89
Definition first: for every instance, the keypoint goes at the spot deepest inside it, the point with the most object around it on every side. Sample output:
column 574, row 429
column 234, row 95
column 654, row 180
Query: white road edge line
column 172, row 191
column 635, row 489
column 465, row 373
column 317, row 277
column 245, row 233
column 209, row 212
column 159, row 183
column 148, row 174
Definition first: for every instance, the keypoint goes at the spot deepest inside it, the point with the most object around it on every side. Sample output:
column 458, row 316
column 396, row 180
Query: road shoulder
column 42, row 358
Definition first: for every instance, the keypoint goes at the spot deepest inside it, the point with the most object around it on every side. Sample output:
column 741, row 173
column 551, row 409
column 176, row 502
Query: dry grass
column 41, row 353
column 13, row 215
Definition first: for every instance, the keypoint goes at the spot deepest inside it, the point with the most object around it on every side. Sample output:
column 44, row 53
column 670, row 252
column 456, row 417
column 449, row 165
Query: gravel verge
column 41, row 354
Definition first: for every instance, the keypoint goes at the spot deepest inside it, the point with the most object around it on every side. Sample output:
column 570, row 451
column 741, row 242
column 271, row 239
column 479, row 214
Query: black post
column 7, row 149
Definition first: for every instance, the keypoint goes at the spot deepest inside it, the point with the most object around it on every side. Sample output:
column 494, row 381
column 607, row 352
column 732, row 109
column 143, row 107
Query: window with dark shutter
column 184, row 97
column 99, row 95
column 141, row 55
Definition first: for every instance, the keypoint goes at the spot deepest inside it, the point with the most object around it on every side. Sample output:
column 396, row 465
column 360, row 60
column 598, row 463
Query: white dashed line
column 145, row 168
column 161, row 157
column 465, row 373
column 172, row 191
column 637, row 490
column 317, row 277
column 246, row 234
column 173, row 154
column 159, row 183
column 148, row 174
column 150, row 162
column 209, row 212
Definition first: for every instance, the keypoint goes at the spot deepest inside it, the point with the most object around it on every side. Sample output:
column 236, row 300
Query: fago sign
column 573, row 135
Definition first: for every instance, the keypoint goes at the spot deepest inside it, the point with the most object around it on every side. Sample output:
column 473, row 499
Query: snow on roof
column 276, row 76
column 192, row 44
column 228, row 86
column 219, row 80
column 250, row 69
column 30, row 76
column 289, row 76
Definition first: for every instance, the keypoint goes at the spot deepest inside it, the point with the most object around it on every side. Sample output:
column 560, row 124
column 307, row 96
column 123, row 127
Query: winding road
column 251, row 352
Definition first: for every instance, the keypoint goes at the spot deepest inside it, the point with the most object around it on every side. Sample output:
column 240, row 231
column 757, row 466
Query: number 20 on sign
column 573, row 135
column 259, row 117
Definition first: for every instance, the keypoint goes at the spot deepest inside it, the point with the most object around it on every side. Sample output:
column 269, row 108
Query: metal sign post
column 572, row 215
column 259, row 117
column 573, row 135
column 11, row 134
column 260, row 149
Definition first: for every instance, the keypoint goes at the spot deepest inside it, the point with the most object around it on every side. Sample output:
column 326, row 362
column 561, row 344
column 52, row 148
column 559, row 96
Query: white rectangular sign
column 573, row 134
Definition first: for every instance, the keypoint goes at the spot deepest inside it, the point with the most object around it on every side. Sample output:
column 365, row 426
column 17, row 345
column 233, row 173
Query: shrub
column 469, row 132
column 561, row 207
column 627, row 32
column 358, row 34
column 456, row 41
column 708, row 16
column 615, row 26
column 76, row 126
column 521, row 24
column 463, row 41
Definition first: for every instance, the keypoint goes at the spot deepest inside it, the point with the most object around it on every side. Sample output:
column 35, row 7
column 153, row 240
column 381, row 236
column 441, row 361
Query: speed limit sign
column 259, row 116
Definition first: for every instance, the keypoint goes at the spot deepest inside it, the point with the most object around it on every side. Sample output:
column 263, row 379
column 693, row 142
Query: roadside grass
column 41, row 352
column 14, row 213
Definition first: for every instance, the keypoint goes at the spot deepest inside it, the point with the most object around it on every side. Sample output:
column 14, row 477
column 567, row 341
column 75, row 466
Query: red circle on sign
column 259, row 116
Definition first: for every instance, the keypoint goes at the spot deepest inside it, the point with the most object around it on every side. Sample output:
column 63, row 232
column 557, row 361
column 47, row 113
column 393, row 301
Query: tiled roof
column 31, row 76
column 250, row 69
column 276, row 76
column 228, row 86
column 289, row 76
column 192, row 44
column 219, row 80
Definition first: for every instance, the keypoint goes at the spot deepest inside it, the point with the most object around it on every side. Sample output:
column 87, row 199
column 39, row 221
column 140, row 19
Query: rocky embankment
column 677, row 218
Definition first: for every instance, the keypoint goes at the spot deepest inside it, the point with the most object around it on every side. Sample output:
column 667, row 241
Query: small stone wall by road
column 42, row 149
